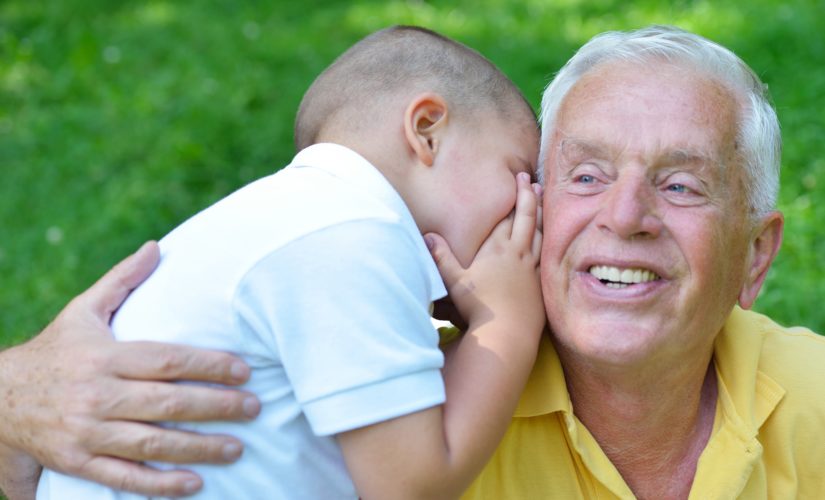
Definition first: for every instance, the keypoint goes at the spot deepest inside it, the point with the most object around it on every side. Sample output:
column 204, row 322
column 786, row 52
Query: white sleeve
column 345, row 310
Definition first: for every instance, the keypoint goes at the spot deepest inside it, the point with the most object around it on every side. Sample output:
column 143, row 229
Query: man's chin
column 613, row 343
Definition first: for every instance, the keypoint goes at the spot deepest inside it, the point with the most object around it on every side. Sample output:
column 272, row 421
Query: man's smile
column 616, row 277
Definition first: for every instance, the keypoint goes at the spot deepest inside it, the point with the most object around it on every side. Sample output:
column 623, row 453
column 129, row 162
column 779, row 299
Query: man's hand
column 74, row 399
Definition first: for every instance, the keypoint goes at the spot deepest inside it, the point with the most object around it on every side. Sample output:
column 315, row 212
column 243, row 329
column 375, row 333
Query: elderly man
column 661, row 158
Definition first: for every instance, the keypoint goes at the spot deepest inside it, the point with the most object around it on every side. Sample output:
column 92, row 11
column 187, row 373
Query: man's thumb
column 448, row 266
column 111, row 289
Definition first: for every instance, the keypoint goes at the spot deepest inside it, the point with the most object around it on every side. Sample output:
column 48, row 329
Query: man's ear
column 764, row 247
column 424, row 120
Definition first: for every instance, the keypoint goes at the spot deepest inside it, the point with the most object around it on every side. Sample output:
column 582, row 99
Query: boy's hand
column 502, row 282
column 74, row 398
column 436, row 453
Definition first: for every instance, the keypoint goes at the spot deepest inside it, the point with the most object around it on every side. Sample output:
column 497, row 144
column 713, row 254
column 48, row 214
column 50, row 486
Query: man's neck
column 652, row 428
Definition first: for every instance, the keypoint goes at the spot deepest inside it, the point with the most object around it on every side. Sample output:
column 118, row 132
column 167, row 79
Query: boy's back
column 319, row 278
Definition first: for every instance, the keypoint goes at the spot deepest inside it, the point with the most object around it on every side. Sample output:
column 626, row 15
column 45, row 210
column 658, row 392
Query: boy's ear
column 764, row 247
column 424, row 120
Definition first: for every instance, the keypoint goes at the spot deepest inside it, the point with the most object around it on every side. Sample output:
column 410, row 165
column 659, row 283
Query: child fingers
column 535, row 247
column 538, row 234
column 502, row 231
column 524, row 221
column 448, row 266
column 538, row 189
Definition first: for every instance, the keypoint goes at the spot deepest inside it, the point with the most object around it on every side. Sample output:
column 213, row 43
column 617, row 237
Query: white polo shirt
column 286, row 272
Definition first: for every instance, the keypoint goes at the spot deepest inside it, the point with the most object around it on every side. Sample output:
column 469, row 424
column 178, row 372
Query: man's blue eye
column 587, row 179
column 678, row 188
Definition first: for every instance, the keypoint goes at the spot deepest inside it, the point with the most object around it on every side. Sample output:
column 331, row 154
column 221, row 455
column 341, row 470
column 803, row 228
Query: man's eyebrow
column 578, row 147
column 681, row 156
column 686, row 157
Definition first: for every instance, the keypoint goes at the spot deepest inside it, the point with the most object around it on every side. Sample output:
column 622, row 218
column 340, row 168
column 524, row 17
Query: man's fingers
column 142, row 442
column 138, row 478
column 448, row 266
column 160, row 361
column 524, row 222
column 159, row 401
column 105, row 296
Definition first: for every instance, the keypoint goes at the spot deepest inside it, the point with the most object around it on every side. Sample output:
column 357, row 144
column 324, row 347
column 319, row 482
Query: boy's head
column 353, row 92
column 446, row 127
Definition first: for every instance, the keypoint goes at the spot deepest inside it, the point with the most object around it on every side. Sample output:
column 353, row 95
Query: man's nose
column 630, row 208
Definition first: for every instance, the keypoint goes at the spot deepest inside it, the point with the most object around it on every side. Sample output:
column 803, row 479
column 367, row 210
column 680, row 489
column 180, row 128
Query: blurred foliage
column 119, row 119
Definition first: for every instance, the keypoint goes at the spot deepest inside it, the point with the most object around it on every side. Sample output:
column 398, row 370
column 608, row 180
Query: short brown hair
column 399, row 58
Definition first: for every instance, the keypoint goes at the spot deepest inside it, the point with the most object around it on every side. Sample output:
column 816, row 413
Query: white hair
column 758, row 131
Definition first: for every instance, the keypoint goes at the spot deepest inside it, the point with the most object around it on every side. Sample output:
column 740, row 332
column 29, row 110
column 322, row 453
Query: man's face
column 646, row 236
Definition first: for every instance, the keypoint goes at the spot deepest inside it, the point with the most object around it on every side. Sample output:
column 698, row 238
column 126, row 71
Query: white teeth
column 610, row 284
column 620, row 278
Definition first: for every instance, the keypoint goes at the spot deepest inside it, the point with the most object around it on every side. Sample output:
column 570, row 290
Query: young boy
column 320, row 277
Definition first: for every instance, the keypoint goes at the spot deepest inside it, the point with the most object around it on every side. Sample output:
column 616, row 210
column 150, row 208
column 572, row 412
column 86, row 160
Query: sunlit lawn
column 120, row 119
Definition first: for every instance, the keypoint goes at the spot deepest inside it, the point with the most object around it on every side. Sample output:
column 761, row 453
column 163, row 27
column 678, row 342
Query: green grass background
column 119, row 119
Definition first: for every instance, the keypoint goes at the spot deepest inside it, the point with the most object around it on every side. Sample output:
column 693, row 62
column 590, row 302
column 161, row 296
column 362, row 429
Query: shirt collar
column 347, row 165
column 352, row 168
column 545, row 391
column 747, row 395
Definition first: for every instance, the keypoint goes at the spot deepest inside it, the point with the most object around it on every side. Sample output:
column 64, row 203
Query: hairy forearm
column 11, row 388
column 19, row 471
column 18, row 474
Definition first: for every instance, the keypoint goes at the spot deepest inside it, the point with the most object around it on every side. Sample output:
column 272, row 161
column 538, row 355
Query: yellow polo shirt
column 768, row 439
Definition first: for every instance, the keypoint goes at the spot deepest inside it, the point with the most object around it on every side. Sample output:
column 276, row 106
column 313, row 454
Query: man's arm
column 18, row 473
column 75, row 400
